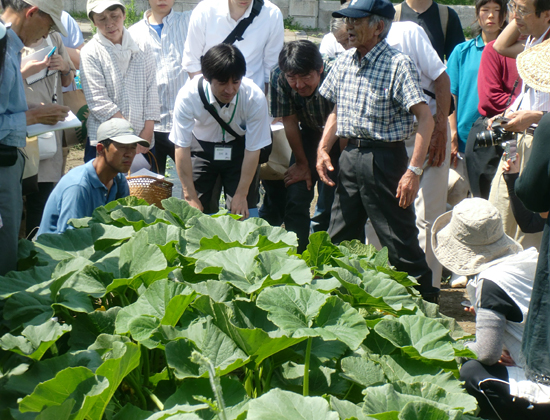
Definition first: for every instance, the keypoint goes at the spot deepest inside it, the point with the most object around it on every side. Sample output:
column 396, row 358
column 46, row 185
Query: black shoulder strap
column 237, row 33
column 210, row 108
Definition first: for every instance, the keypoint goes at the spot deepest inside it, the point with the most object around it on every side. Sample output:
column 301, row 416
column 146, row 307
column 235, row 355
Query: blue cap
column 364, row 8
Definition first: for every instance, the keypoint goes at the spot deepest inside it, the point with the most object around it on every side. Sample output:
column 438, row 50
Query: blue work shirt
column 13, row 104
column 77, row 195
column 462, row 68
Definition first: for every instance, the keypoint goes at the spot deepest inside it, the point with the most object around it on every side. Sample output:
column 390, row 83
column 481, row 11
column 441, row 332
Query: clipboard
column 38, row 56
column 70, row 122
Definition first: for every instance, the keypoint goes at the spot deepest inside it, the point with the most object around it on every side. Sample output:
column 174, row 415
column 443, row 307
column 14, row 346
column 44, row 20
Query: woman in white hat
column 118, row 78
column 470, row 241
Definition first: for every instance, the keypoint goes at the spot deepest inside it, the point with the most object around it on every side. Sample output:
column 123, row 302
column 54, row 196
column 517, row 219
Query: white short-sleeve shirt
column 330, row 46
column 411, row 39
column 248, row 111
column 210, row 24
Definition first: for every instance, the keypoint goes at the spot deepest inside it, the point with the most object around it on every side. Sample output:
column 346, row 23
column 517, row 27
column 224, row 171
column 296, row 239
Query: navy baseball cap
column 364, row 8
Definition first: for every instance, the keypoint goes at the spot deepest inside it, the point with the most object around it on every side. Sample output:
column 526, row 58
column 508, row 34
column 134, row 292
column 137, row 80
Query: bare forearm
column 443, row 101
column 248, row 170
column 329, row 133
column 184, row 168
column 507, row 42
column 423, row 134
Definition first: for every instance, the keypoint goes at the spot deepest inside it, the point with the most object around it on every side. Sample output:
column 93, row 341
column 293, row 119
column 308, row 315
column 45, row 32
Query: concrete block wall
column 312, row 13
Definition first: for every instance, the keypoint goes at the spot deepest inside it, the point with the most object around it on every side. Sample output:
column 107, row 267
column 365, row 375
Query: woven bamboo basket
column 151, row 189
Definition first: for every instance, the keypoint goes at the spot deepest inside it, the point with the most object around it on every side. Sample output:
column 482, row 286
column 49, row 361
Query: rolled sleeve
column 182, row 128
column 410, row 93
column 329, row 87
column 258, row 131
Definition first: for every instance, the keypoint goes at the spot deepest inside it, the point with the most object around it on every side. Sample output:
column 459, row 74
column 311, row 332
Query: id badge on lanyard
column 222, row 152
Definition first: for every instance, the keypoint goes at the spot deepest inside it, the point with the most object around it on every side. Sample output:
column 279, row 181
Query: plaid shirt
column 107, row 91
column 374, row 95
column 312, row 112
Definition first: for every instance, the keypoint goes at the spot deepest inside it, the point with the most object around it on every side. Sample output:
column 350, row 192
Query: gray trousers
column 11, row 209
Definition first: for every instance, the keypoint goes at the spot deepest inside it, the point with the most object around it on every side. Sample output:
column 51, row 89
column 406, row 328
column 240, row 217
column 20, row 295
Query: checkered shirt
column 374, row 95
column 107, row 91
column 312, row 112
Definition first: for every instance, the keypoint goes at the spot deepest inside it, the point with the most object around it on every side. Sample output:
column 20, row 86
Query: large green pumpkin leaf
column 320, row 250
column 34, row 341
column 138, row 217
column 250, row 271
column 292, row 309
column 245, row 329
column 87, row 327
column 79, row 384
column 73, row 243
column 179, row 212
column 16, row 281
column 164, row 300
column 212, row 343
column 418, row 336
column 346, row 409
column 280, row 405
column 363, row 371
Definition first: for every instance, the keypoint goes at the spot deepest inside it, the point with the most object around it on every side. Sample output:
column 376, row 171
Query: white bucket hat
column 54, row 8
column 99, row 6
column 119, row 130
column 471, row 237
column 534, row 66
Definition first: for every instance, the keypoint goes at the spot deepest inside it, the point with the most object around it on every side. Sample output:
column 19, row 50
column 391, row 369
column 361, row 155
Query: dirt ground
column 450, row 305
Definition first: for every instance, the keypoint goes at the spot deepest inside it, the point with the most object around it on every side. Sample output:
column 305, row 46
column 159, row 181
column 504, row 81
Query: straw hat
column 471, row 237
column 534, row 66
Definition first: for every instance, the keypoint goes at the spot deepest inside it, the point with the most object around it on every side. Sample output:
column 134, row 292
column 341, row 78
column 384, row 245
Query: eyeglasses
column 513, row 8
column 352, row 21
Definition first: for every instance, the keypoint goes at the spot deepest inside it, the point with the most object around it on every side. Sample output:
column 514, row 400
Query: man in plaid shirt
column 377, row 94
column 295, row 97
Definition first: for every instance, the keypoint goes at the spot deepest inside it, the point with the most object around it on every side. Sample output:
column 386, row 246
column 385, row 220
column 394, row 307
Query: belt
column 374, row 144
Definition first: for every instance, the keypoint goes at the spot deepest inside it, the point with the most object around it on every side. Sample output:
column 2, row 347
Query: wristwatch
column 415, row 170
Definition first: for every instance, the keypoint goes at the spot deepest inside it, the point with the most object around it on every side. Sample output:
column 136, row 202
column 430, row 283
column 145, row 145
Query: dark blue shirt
column 77, row 195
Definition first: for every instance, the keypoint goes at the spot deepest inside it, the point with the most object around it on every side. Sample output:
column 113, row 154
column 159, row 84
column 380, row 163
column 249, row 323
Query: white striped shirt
column 168, row 52
column 107, row 91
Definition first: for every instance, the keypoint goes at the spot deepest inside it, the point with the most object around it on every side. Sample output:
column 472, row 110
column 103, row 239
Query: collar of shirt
column 531, row 41
column 167, row 20
column 225, row 8
column 479, row 42
column 372, row 55
column 94, row 178
column 212, row 99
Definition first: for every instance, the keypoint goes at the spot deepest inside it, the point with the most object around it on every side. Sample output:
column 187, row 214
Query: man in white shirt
column 529, row 17
column 165, row 32
column 204, row 150
column 411, row 39
column 213, row 20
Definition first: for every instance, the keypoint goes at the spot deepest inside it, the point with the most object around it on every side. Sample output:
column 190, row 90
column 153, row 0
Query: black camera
column 496, row 135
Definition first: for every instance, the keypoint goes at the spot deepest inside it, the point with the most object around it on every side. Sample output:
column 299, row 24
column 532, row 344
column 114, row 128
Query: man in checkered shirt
column 377, row 94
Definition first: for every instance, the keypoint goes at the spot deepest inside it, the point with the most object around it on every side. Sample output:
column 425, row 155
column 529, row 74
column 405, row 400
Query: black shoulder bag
column 264, row 151
column 237, row 33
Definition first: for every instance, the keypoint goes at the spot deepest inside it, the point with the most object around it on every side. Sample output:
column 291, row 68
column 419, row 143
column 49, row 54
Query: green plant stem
column 137, row 389
column 257, row 383
column 306, row 367
column 124, row 299
column 145, row 364
column 154, row 398
column 349, row 391
column 267, row 380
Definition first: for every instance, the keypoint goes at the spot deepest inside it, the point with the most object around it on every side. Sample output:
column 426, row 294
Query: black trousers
column 163, row 148
column 206, row 171
column 366, row 189
column 35, row 204
column 489, row 385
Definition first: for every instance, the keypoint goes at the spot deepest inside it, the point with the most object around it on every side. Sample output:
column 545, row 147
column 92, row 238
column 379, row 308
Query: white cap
column 119, row 130
column 54, row 8
column 99, row 6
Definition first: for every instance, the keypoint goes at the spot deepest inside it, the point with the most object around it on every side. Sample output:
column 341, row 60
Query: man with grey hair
column 377, row 93
column 29, row 21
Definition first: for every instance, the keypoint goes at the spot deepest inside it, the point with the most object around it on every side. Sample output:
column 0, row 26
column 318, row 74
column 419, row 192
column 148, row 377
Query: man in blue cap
column 377, row 94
